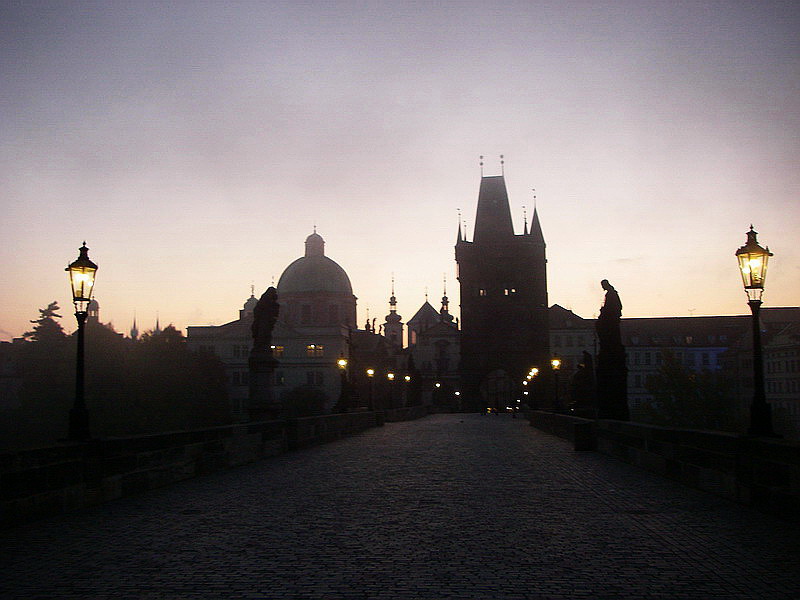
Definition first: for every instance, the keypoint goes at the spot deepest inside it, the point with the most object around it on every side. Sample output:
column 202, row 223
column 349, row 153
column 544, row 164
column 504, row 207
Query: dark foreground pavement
column 452, row 506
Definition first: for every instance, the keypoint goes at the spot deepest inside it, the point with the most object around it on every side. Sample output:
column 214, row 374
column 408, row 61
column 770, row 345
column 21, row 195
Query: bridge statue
column 264, row 316
column 612, row 373
column 262, row 364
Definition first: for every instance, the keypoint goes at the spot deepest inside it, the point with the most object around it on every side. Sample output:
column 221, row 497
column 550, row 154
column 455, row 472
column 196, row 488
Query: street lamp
column 370, row 375
column 753, row 267
column 81, row 278
column 530, row 377
column 556, row 364
column 344, row 392
column 390, row 377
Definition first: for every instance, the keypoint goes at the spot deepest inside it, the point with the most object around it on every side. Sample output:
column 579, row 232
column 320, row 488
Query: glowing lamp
column 407, row 378
column 81, row 277
column 753, row 265
column 556, row 364
column 342, row 362
column 390, row 376
column 370, row 372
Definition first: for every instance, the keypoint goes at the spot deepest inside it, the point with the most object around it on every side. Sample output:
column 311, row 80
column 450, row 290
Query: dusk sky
column 194, row 146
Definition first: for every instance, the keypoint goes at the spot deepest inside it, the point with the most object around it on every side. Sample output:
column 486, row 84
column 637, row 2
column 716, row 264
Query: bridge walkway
column 450, row 506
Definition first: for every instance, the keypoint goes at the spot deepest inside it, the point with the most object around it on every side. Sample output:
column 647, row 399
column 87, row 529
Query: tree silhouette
column 46, row 328
column 686, row 398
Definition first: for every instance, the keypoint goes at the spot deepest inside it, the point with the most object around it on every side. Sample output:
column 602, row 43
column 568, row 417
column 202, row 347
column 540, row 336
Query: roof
column 314, row 272
column 426, row 316
column 493, row 217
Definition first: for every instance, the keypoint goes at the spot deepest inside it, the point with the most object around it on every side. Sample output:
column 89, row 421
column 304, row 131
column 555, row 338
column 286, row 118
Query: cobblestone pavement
column 451, row 506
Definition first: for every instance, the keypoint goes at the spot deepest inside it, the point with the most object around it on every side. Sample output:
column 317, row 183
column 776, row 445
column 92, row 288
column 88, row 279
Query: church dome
column 314, row 272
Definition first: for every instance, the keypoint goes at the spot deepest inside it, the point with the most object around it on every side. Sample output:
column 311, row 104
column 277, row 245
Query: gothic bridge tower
column 504, row 318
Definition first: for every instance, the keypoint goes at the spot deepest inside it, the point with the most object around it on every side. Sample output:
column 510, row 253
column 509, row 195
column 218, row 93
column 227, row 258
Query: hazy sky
column 194, row 145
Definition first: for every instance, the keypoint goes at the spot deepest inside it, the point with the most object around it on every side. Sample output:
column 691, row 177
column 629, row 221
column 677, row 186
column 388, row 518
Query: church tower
column 393, row 327
column 504, row 318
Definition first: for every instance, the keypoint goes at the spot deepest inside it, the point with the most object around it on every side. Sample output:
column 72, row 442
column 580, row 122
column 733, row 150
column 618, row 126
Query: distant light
column 438, row 385
column 370, row 372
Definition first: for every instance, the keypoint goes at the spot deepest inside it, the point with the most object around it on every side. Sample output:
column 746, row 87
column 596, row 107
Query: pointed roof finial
column 525, row 220
column 481, row 170
column 502, row 165
column 426, row 293
column 444, row 281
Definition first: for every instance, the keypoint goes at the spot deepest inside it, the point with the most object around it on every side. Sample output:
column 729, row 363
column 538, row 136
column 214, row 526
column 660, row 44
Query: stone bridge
column 448, row 506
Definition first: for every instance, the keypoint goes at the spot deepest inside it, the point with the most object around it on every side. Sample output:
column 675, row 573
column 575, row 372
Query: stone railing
column 760, row 472
column 47, row 481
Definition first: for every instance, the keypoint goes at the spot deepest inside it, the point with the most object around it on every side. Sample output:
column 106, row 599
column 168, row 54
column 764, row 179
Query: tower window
column 482, row 292
column 509, row 291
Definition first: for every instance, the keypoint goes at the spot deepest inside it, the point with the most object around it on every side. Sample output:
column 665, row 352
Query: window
column 509, row 291
column 482, row 292
column 315, row 350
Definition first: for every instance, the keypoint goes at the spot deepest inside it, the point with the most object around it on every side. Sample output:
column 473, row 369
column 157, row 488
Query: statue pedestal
column 263, row 406
column 612, row 384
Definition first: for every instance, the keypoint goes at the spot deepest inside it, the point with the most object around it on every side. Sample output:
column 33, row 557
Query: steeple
column 393, row 327
column 536, row 228
column 134, row 329
column 493, row 218
column 445, row 312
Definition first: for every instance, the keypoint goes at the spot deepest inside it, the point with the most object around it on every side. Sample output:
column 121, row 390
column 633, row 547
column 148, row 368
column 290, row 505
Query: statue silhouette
column 612, row 373
column 264, row 316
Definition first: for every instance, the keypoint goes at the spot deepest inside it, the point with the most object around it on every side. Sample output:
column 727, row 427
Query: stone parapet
column 763, row 473
column 47, row 481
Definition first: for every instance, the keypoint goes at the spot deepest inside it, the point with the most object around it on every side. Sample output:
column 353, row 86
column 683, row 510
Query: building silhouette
column 504, row 316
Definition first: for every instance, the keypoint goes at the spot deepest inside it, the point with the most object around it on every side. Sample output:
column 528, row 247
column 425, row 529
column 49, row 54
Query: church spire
column 445, row 312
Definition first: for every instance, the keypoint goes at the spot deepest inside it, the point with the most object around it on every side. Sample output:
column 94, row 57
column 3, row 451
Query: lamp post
column 81, row 277
column 753, row 267
column 407, row 379
column 370, row 376
column 556, row 364
column 529, row 381
column 344, row 395
column 390, row 378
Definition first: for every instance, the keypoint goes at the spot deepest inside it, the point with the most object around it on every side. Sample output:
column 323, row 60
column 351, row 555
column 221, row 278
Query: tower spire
column 525, row 220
